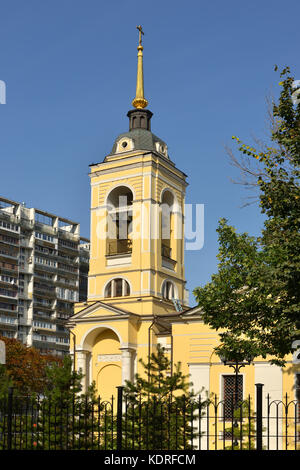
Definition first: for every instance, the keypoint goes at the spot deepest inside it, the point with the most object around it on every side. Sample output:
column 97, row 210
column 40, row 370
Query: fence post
column 9, row 417
column 259, row 416
column 119, row 417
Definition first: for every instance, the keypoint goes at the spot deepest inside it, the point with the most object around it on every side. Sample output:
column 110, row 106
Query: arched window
column 168, row 290
column 117, row 288
column 119, row 197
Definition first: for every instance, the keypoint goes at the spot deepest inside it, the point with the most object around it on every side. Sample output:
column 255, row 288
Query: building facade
column 43, row 263
column 136, row 284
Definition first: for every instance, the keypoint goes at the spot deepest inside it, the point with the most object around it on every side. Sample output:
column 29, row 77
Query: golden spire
column 139, row 101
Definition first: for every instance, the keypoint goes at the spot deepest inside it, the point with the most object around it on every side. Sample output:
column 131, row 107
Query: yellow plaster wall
column 145, row 272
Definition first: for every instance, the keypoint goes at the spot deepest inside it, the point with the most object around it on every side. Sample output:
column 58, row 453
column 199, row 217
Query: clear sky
column 70, row 70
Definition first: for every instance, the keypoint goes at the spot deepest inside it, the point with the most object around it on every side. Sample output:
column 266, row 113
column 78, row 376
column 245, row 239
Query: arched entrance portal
column 105, row 360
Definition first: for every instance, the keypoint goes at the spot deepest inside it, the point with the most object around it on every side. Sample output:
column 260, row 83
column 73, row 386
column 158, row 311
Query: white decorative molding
column 118, row 260
column 109, row 357
column 199, row 376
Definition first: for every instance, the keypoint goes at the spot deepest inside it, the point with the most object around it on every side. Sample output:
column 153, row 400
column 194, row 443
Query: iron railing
column 117, row 247
column 166, row 251
column 131, row 423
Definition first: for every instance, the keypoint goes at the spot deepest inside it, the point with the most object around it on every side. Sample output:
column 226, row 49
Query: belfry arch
column 119, row 220
column 170, row 223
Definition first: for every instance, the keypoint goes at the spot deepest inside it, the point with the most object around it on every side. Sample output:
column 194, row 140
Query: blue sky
column 70, row 69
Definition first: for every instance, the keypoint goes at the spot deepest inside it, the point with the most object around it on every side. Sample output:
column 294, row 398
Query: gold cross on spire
column 141, row 32
column 139, row 101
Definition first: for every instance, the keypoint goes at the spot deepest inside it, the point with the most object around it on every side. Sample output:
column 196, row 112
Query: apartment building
column 43, row 272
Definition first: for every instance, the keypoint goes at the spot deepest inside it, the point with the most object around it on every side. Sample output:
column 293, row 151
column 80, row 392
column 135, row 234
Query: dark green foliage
column 161, row 411
column 67, row 417
column 5, row 381
column 254, row 297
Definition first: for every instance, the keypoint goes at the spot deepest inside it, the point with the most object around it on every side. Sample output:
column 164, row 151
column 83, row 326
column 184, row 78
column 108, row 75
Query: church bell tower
column 136, row 267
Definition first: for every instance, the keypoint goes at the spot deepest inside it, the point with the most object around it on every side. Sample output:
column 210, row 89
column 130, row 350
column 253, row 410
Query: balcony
column 66, row 235
column 7, row 293
column 166, row 251
column 68, row 260
column 118, row 247
column 8, row 308
column 10, row 223
column 7, row 240
column 44, row 292
column 8, row 321
column 7, row 268
column 42, row 339
column 46, row 228
column 64, row 282
column 9, row 281
column 63, row 342
column 64, row 269
column 50, row 279
column 41, row 304
column 167, row 261
column 46, row 267
column 9, row 253
column 39, row 327
column 62, row 309
column 68, row 248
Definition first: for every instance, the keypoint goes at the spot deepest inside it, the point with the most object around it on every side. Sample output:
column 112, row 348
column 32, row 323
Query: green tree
column 26, row 366
column 161, row 411
column 254, row 297
column 5, row 381
column 67, row 418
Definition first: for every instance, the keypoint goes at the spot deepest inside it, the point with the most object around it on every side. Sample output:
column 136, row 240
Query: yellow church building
column 136, row 284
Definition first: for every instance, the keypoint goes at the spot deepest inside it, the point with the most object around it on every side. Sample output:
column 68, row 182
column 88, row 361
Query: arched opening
column 121, row 196
column 107, row 362
column 119, row 202
column 167, row 225
column 118, row 287
column 169, row 291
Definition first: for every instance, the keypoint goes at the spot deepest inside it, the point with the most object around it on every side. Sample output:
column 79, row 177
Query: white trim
column 121, row 149
column 122, row 178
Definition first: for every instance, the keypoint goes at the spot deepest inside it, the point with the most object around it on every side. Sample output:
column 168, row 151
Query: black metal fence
column 130, row 423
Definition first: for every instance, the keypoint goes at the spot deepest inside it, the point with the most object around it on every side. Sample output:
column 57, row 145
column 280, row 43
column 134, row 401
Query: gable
column 100, row 309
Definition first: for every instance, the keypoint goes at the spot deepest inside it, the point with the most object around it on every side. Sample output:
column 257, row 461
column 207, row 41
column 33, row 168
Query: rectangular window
column 232, row 394
column 9, row 226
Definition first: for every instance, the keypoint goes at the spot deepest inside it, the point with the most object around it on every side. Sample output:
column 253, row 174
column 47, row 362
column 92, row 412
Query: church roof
column 143, row 139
